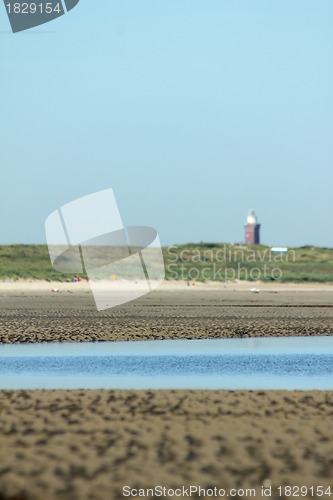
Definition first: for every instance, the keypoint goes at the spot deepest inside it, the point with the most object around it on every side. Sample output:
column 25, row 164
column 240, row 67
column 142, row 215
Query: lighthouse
column 252, row 229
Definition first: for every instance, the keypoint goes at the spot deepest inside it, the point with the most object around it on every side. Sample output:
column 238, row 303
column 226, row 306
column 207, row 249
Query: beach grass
column 197, row 262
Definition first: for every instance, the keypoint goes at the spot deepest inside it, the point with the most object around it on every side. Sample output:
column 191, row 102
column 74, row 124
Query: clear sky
column 193, row 111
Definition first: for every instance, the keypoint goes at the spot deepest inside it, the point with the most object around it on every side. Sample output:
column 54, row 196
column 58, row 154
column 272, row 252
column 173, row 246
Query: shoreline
column 168, row 285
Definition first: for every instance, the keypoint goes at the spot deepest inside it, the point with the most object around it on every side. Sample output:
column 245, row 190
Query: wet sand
column 83, row 444
column 89, row 444
column 32, row 313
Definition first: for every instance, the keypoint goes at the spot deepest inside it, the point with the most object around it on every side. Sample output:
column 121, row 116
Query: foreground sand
column 77, row 445
column 89, row 444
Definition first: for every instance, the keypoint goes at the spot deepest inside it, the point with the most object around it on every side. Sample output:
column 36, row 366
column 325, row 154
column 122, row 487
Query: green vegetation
column 224, row 262
column 28, row 262
column 202, row 262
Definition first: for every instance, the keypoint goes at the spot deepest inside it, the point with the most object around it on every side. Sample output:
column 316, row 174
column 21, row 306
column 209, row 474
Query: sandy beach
column 89, row 444
column 31, row 312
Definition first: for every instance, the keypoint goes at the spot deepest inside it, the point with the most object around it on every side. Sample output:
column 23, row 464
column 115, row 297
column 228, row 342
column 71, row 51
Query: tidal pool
column 303, row 363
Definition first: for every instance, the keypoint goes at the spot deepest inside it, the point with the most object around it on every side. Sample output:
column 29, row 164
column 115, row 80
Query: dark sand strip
column 69, row 317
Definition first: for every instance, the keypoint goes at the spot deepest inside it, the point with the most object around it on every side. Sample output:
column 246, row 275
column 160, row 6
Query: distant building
column 279, row 250
column 252, row 229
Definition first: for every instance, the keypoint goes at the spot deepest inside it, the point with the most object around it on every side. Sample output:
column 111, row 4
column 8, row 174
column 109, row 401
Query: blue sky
column 193, row 111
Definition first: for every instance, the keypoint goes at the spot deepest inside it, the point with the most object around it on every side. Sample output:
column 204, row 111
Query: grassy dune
column 202, row 262
column 225, row 262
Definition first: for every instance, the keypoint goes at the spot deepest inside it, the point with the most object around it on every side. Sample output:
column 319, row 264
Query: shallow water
column 261, row 363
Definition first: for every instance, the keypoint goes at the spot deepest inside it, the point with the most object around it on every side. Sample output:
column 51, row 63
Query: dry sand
column 77, row 445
